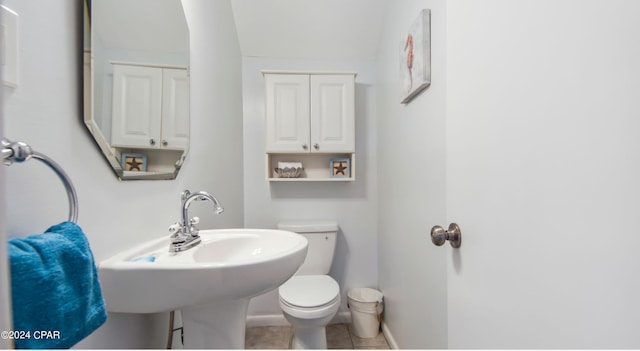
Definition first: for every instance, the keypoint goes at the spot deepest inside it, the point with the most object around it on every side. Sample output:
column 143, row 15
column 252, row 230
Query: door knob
column 152, row 142
column 165, row 143
column 316, row 146
column 304, row 146
column 453, row 234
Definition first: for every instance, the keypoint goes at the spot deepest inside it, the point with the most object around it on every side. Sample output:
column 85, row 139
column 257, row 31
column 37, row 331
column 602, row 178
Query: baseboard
column 272, row 320
column 390, row 339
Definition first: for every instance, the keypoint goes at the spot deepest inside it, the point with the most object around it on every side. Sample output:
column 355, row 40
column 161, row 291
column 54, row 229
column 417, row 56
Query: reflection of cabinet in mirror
column 150, row 107
column 310, row 119
column 150, row 113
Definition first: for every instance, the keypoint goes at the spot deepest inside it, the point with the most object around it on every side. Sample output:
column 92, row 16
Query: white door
column 543, row 174
column 5, row 277
column 137, row 104
column 332, row 113
column 287, row 104
column 175, row 109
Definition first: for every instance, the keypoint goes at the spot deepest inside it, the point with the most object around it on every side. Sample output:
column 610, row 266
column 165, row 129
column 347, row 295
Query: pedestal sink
column 211, row 283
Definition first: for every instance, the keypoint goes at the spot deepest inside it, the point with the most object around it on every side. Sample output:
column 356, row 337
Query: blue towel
column 54, row 288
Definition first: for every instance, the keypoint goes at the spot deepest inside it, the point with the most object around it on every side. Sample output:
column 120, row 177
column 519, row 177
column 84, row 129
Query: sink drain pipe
column 172, row 316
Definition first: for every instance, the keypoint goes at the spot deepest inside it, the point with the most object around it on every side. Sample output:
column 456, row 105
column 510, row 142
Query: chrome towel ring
column 20, row 152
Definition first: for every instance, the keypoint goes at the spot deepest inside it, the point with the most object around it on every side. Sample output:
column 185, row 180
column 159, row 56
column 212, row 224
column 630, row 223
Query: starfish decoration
column 133, row 164
column 339, row 168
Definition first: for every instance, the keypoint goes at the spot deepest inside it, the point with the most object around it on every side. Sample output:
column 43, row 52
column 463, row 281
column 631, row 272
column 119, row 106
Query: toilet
column 310, row 299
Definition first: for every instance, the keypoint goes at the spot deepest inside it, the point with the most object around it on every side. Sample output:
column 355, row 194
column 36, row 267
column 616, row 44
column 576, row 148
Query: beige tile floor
column 339, row 336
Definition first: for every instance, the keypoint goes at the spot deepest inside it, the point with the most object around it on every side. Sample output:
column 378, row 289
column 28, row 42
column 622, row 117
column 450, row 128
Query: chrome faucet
column 184, row 234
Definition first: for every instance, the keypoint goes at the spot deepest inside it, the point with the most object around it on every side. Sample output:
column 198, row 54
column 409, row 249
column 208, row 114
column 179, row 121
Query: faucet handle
column 194, row 220
column 174, row 228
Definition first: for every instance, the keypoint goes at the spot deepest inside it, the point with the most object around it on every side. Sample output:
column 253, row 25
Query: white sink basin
column 211, row 283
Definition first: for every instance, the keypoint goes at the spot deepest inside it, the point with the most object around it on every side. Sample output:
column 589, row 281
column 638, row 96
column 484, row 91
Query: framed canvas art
column 415, row 57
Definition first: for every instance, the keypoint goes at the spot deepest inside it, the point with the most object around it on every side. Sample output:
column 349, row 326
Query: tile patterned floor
column 339, row 336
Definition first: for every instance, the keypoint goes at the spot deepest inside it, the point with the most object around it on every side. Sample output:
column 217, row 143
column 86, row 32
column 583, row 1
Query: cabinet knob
column 304, row 146
column 316, row 146
column 152, row 142
column 453, row 234
column 165, row 143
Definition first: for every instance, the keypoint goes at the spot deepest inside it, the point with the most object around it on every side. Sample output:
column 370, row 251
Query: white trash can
column 366, row 311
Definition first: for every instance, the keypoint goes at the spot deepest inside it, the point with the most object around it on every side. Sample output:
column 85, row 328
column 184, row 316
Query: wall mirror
column 136, row 85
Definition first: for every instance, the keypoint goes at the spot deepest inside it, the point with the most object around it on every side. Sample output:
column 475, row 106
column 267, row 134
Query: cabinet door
column 137, row 103
column 332, row 113
column 175, row 109
column 287, row 104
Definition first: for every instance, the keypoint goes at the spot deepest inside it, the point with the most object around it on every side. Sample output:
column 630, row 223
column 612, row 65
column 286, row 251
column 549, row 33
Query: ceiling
column 298, row 29
column 309, row 29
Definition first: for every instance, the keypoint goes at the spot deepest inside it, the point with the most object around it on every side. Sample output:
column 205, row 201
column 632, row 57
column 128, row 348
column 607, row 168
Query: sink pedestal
column 216, row 325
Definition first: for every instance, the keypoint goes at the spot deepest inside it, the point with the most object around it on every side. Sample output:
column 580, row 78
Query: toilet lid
column 309, row 290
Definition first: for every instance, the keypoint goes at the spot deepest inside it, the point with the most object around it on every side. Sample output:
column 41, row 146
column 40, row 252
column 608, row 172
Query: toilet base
column 310, row 338
column 311, row 333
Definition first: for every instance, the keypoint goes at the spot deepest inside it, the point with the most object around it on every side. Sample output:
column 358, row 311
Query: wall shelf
column 311, row 180
column 316, row 167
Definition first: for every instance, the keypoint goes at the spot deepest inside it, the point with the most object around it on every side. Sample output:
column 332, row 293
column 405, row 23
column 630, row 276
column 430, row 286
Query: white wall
column 543, row 150
column 44, row 111
column 411, row 158
column 352, row 204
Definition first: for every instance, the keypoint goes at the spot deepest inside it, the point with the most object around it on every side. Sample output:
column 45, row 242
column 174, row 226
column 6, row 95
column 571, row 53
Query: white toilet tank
column 322, row 244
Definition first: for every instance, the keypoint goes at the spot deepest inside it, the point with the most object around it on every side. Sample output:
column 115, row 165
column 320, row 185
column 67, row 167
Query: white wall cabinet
column 310, row 112
column 150, row 107
column 310, row 118
column 288, row 113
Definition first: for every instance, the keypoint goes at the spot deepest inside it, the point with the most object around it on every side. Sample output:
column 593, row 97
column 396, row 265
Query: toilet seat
column 309, row 291
column 309, row 296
